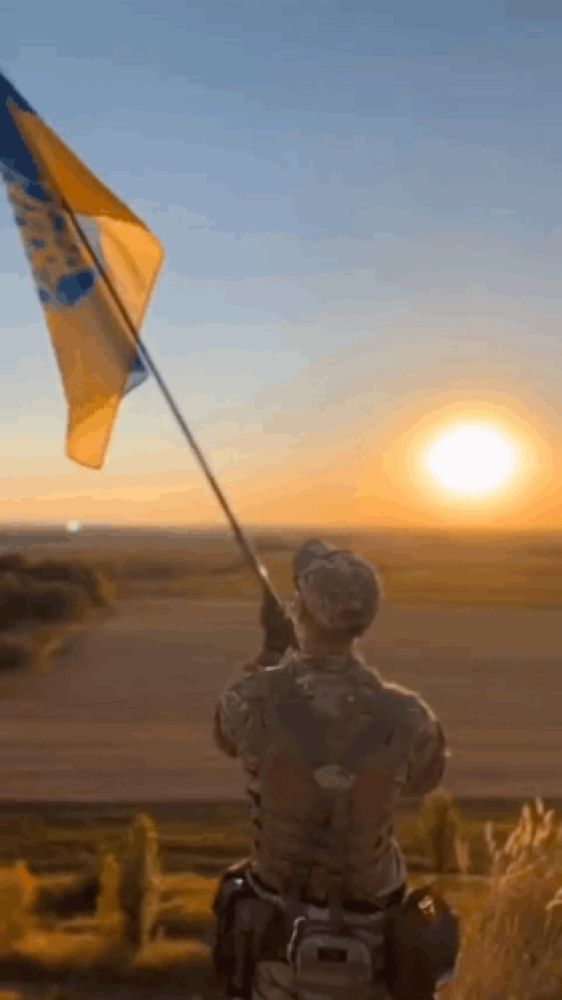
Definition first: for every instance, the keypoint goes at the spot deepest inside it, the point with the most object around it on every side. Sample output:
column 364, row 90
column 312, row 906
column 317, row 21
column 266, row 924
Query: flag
column 94, row 264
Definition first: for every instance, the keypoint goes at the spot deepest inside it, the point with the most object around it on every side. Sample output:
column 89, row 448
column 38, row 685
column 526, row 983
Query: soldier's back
column 330, row 730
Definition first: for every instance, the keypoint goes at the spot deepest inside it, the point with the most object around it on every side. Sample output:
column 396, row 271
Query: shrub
column 440, row 822
column 56, row 602
column 77, row 574
column 13, row 600
column 50, row 592
column 12, row 562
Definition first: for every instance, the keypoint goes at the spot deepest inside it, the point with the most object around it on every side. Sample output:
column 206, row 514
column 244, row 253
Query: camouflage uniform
column 328, row 748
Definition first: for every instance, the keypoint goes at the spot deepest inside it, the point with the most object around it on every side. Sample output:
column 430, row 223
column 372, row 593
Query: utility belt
column 408, row 944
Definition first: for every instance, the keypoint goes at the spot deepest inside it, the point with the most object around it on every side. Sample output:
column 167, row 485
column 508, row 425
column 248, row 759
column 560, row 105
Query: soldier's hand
column 277, row 624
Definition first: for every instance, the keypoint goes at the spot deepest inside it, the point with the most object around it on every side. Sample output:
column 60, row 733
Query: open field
column 129, row 706
column 126, row 712
column 471, row 623
column 120, row 724
column 447, row 568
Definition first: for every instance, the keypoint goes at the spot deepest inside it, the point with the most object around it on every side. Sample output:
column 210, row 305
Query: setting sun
column 472, row 459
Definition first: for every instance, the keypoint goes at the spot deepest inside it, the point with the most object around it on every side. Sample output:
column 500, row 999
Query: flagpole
column 244, row 542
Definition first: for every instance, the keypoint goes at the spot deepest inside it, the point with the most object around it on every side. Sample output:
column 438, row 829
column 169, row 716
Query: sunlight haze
column 361, row 210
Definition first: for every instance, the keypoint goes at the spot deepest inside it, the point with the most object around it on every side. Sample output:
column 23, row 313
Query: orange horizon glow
column 377, row 479
column 515, row 486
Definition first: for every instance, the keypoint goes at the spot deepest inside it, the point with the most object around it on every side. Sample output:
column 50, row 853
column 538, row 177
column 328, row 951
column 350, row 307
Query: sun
column 472, row 459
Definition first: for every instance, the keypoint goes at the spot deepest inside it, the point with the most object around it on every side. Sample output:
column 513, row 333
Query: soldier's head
column 338, row 594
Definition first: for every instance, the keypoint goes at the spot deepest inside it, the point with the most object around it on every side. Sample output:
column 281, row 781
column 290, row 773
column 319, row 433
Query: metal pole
column 244, row 542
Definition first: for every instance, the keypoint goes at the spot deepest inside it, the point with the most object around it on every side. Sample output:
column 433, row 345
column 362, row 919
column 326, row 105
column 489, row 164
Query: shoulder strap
column 280, row 683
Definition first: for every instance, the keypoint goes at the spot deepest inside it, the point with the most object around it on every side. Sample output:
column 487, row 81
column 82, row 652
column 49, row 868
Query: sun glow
column 472, row 460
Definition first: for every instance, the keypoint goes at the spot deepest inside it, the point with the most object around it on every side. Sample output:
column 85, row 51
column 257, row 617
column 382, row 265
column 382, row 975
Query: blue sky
column 361, row 208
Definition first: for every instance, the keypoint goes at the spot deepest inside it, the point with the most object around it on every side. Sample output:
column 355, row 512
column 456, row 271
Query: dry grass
column 59, row 950
column 65, row 847
column 17, row 895
column 511, row 921
column 163, row 955
column 136, row 879
column 513, row 945
column 109, row 916
column 186, row 904
column 440, row 823
column 64, row 896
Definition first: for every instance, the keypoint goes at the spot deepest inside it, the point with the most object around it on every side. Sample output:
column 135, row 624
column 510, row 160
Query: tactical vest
column 328, row 747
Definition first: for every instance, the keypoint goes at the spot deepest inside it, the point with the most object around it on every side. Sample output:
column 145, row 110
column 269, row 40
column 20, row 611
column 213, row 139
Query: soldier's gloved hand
column 278, row 626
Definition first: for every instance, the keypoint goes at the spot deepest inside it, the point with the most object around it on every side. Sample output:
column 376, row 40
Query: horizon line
column 292, row 527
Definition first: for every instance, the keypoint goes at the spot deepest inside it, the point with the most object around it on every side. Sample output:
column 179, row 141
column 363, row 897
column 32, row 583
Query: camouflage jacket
column 328, row 748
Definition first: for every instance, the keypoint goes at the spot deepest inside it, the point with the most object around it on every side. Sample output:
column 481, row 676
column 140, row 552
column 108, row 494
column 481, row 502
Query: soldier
column 328, row 748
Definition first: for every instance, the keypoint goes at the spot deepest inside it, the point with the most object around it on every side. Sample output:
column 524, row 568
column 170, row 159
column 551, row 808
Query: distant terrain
column 118, row 723
column 473, row 623
column 463, row 568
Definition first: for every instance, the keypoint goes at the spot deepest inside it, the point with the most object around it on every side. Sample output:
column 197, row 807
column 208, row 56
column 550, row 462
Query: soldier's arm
column 279, row 631
column 428, row 756
column 233, row 713
column 235, row 706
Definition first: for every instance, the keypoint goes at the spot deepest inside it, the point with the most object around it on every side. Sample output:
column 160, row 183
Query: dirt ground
column 126, row 713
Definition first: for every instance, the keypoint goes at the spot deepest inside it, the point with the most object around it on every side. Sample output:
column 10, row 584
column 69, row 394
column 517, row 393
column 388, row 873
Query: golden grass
column 59, row 949
column 162, row 954
column 511, row 922
column 186, row 903
column 513, row 944
column 18, row 889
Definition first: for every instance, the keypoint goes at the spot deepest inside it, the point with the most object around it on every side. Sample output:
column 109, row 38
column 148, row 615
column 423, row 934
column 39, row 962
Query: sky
column 361, row 208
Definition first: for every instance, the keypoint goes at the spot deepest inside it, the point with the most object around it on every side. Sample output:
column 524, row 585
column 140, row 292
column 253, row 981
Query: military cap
column 339, row 589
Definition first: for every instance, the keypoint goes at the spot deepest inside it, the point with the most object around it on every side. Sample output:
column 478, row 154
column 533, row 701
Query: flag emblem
column 62, row 278
column 94, row 263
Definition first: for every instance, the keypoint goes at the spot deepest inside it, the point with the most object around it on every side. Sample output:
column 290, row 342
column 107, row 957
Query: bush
column 23, row 600
column 78, row 574
column 12, row 562
column 56, row 602
column 49, row 592
column 13, row 600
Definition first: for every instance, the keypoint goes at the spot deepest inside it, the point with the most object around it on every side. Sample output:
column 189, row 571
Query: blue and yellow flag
column 94, row 263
